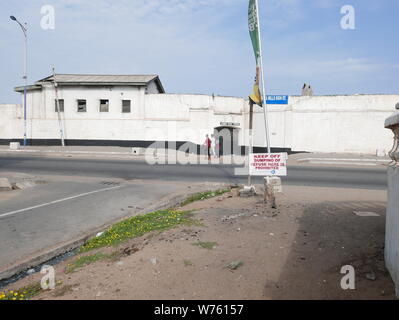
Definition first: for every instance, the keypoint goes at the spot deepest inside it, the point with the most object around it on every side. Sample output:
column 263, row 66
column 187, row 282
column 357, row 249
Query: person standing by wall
column 208, row 146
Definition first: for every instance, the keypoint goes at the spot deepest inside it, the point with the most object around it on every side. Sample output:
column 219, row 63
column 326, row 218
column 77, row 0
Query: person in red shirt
column 208, row 145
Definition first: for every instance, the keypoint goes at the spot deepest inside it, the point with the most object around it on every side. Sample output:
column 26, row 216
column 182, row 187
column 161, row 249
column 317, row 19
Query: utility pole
column 57, row 105
column 264, row 102
column 25, row 77
column 251, row 137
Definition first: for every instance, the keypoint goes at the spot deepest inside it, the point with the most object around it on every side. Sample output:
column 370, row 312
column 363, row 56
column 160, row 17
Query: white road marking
column 57, row 201
column 346, row 163
column 366, row 214
column 346, row 160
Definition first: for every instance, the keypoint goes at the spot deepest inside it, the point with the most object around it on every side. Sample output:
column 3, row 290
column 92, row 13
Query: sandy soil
column 297, row 254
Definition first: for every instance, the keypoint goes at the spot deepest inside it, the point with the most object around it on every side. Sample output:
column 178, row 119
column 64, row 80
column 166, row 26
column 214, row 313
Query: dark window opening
column 82, row 106
column 126, row 106
column 104, row 105
column 60, row 105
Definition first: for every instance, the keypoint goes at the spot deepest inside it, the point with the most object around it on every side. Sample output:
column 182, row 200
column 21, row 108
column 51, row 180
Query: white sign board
column 263, row 164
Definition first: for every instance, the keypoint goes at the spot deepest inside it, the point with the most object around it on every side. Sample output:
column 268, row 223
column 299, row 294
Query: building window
column 104, row 105
column 126, row 106
column 82, row 106
column 60, row 104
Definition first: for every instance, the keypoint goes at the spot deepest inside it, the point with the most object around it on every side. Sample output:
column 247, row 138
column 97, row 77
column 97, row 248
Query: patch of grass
column 235, row 265
column 84, row 261
column 188, row 263
column 138, row 226
column 204, row 195
column 24, row 293
column 206, row 245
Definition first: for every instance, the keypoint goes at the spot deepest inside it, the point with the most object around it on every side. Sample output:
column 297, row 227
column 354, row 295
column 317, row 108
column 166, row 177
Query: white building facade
column 135, row 111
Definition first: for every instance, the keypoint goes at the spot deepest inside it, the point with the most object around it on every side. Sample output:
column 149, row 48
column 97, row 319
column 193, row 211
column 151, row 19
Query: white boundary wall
column 392, row 226
column 392, row 223
column 350, row 124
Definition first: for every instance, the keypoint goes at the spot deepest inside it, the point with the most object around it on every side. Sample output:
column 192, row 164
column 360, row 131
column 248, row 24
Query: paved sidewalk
column 338, row 159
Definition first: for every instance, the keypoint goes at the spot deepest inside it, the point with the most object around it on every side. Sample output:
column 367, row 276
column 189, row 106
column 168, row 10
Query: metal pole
column 25, row 77
column 57, row 105
column 26, row 85
column 265, row 108
column 251, row 112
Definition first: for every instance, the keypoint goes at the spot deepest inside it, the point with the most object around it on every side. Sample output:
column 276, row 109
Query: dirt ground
column 297, row 254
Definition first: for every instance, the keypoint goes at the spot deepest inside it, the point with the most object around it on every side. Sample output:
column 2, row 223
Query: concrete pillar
column 392, row 217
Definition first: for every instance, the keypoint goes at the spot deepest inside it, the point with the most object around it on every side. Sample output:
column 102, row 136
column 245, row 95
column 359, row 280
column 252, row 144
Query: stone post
column 392, row 217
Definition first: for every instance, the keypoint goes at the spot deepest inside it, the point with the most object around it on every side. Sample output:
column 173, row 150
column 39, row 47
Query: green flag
column 253, row 25
column 254, row 28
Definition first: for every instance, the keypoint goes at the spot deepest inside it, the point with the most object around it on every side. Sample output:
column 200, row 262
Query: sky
column 203, row 46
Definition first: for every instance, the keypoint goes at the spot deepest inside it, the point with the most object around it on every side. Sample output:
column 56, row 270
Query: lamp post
column 25, row 77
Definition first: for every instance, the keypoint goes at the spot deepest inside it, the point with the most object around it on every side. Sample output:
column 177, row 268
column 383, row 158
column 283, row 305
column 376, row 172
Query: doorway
column 228, row 140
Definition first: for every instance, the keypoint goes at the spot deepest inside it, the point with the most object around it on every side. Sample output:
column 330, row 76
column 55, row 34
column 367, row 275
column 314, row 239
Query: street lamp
column 25, row 77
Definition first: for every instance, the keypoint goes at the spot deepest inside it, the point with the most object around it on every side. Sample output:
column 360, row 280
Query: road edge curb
column 50, row 253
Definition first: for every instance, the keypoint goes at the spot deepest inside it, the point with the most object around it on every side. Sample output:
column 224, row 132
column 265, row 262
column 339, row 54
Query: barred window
column 126, row 106
column 104, row 105
column 82, row 106
column 60, row 105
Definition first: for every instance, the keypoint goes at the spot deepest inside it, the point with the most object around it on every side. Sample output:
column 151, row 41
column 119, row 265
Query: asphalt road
column 83, row 194
column 61, row 210
column 324, row 176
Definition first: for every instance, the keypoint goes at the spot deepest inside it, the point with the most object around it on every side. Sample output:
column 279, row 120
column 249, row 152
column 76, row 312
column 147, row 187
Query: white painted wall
column 347, row 124
column 342, row 123
column 392, row 216
column 92, row 95
column 352, row 124
column 10, row 124
column 392, row 226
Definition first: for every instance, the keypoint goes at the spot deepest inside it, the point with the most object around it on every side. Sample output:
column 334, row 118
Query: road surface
column 332, row 176
column 78, row 195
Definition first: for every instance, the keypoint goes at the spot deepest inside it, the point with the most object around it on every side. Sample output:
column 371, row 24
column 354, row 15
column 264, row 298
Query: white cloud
column 282, row 13
column 325, row 4
column 197, row 46
column 354, row 67
column 329, row 76
column 141, row 8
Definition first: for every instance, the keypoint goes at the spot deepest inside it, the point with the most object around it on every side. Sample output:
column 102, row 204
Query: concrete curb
column 49, row 253
column 5, row 185
column 56, row 153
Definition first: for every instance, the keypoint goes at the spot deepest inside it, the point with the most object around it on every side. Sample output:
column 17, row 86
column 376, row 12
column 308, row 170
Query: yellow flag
column 256, row 96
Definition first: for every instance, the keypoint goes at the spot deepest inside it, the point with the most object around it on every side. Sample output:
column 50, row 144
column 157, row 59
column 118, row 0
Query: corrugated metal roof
column 98, row 80
column 91, row 78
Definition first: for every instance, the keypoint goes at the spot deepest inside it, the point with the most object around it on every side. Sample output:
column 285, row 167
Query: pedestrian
column 208, row 146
